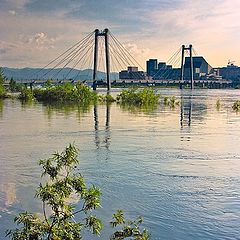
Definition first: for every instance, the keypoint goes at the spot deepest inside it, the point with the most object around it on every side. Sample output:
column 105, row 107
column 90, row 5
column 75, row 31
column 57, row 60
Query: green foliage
column 139, row 97
column 1, row 107
column 171, row 101
column 128, row 229
column 55, row 194
column 59, row 214
column 106, row 98
column 2, row 77
column 2, row 88
column 218, row 104
column 14, row 86
column 236, row 106
column 66, row 93
column 26, row 94
column 2, row 92
column 48, row 83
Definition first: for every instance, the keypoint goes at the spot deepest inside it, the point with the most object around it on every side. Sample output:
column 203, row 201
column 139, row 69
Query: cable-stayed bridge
column 100, row 56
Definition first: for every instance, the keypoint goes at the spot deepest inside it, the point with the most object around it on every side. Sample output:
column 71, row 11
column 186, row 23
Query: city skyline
column 32, row 32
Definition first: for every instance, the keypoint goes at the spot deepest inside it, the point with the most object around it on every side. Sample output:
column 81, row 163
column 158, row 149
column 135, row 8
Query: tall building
column 132, row 73
column 162, row 71
column 201, row 68
column 152, row 67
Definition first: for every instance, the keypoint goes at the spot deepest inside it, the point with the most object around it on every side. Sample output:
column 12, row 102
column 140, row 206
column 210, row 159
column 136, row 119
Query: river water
column 178, row 168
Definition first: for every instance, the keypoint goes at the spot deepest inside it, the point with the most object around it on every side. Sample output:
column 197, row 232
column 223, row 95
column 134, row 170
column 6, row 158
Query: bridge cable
column 69, row 49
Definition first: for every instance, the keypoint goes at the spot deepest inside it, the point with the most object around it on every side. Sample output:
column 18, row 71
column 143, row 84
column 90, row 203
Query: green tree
column 14, row 86
column 26, row 94
column 2, row 88
column 60, row 221
column 2, row 77
column 128, row 229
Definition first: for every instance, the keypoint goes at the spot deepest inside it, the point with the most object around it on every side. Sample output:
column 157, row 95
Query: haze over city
column 32, row 32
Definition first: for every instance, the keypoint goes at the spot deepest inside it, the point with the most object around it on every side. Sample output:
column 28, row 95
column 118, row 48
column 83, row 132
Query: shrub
column 60, row 223
column 66, row 93
column 134, row 96
column 236, row 106
column 26, row 94
column 171, row 101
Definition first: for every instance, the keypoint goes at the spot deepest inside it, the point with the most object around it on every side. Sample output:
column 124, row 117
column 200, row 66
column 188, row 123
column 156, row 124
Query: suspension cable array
column 101, row 56
column 77, row 61
column 174, row 62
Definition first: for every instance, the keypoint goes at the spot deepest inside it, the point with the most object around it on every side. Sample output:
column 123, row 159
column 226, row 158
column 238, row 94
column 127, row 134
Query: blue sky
column 32, row 32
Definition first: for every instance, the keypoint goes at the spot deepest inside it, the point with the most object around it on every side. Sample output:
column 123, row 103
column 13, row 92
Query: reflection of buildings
column 8, row 190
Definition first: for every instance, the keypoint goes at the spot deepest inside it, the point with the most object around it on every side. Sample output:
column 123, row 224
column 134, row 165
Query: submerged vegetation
column 139, row 97
column 66, row 93
column 218, row 104
column 236, row 106
column 60, row 218
column 2, row 88
column 26, row 94
column 171, row 101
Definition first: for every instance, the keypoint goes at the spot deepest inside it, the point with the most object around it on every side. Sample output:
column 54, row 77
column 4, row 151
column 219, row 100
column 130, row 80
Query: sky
column 33, row 32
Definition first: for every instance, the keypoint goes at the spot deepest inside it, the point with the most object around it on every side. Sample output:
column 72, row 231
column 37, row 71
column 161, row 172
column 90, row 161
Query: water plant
column 106, row 98
column 14, row 86
column 2, row 88
column 62, row 219
column 171, row 101
column 236, row 106
column 218, row 104
column 66, row 93
column 139, row 97
column 26, row 94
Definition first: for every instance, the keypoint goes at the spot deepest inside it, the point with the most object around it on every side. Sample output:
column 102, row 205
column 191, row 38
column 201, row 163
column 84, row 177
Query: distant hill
column 58, row 73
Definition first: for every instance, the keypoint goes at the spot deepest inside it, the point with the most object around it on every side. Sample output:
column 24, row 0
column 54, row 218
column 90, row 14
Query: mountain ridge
column 27, row 73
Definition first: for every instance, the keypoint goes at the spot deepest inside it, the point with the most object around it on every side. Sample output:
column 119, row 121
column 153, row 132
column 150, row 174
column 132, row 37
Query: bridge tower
column 187, row 48
column 104, row 34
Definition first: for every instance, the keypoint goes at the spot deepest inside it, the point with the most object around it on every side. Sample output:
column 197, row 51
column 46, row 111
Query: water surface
column 179, row 168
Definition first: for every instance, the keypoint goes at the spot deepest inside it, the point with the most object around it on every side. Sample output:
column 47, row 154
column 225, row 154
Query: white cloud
column 39, row 41
column 12, row 12
column 212, row 26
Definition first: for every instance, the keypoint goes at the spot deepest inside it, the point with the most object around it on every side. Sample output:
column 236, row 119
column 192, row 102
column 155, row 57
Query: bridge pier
column 104, row 34
column 184, row 48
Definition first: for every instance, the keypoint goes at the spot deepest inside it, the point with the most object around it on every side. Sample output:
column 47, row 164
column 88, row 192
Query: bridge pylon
column 187, row 48
column 104, row 34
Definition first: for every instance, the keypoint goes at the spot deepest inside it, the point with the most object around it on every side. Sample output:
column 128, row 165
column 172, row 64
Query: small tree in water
column 55, row 194
column 2, row 88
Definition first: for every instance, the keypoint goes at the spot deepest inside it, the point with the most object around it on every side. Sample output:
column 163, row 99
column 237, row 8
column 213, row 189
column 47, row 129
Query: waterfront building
column 132, row 73
column 201, row 68
column 230, row 72
column 152, row 67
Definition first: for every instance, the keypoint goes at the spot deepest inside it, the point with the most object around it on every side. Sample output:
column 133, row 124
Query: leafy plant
column 26, row 94
column 66, row 93
column 171, row 101
column 106, row 98
column 236, row 106
column 60, row 223
column 135, row 96
column 218, row 104
column 62, row 219
column 128, row 229
column 14, row 86
column 2, row 88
